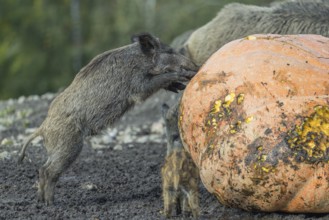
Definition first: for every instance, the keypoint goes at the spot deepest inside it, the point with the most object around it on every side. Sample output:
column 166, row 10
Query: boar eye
column 175, row 137
column 170, row 51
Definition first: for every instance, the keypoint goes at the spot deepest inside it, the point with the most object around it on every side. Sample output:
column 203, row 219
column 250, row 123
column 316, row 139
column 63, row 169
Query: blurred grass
column 43, row 43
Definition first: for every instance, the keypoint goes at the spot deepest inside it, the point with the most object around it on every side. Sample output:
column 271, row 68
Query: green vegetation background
column 44, row 43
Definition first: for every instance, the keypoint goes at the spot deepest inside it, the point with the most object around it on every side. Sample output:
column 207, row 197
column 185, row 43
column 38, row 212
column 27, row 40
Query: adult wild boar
column 237, row 20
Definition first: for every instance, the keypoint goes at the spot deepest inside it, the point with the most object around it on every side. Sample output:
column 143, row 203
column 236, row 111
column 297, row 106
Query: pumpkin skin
column 255, row 120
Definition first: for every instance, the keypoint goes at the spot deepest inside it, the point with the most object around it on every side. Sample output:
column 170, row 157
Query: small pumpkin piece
column 311, row 138
column 251, row 37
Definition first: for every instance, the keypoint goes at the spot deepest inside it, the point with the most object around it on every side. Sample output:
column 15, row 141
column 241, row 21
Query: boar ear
column 149, row 44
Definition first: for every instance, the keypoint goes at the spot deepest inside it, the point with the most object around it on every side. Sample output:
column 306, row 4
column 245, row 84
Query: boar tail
column 22, row 152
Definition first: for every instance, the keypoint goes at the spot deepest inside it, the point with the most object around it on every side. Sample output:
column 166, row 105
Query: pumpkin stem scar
column 310, row 140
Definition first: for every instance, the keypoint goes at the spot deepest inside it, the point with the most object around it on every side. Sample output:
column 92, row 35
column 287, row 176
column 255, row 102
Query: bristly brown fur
column 111, row 84
column 238, row 20
column 180, row 178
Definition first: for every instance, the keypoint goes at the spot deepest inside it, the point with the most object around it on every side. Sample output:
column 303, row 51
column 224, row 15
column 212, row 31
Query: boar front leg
column 59, row 159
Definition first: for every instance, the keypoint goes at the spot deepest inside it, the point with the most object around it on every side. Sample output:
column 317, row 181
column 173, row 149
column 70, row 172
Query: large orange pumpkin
column 255, row 120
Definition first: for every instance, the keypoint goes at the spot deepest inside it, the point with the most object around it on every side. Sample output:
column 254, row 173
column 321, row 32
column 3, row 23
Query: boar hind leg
column 185, row 205
column 58, row 161
column 169, row 201
column 193, row 201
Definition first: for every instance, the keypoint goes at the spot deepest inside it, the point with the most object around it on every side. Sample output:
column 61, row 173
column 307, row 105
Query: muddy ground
column 117, row 175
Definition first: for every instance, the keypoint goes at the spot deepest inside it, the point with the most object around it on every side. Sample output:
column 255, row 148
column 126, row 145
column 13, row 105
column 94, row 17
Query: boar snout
column 187, row 64
column 189, row 74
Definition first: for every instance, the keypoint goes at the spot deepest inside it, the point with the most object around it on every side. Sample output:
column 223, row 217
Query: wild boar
column 99, row 95
column 237, row 20
column 180, row 176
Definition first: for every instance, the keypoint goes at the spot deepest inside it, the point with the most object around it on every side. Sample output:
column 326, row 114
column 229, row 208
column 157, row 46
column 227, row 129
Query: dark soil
column 102, row 183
